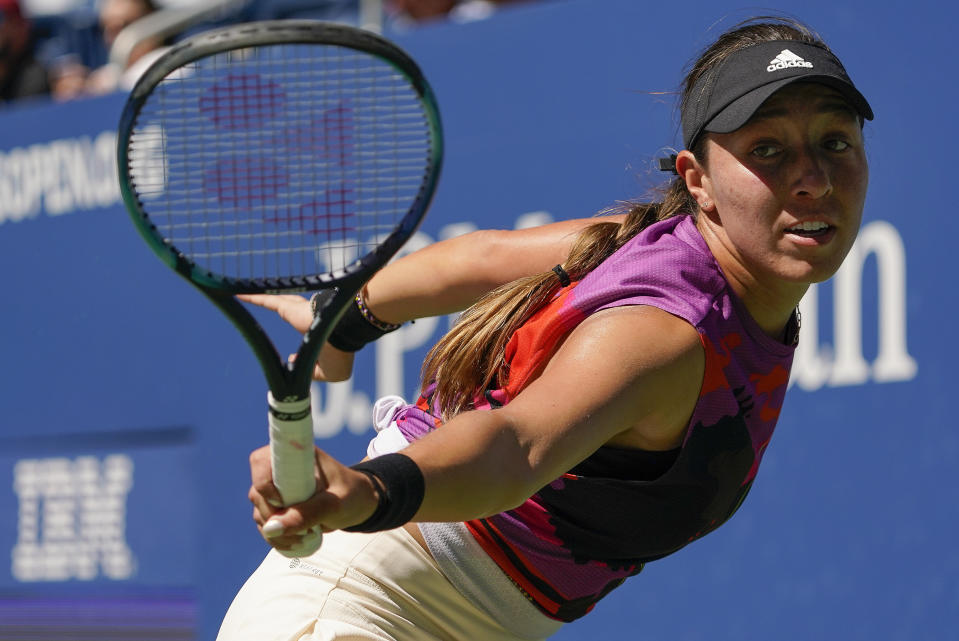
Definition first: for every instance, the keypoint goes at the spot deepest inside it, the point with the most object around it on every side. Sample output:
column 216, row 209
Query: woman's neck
column 770, row 301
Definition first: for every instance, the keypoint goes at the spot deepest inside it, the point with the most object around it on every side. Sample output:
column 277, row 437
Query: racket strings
column 280, row 161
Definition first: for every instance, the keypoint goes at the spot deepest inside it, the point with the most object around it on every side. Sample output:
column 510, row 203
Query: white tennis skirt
column 357, row 587
column 366, row 587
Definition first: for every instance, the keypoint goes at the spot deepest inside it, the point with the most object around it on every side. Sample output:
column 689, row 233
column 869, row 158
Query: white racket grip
column 292, row 459
column 291, row 449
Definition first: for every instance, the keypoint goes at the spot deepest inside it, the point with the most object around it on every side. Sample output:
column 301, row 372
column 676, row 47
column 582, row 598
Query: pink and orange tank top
column 583, row 534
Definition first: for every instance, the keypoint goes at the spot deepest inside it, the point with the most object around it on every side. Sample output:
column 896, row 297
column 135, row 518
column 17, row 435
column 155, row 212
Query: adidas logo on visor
column 787, row 59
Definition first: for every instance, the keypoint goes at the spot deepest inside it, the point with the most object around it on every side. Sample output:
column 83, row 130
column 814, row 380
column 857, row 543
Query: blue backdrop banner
column 129, row 405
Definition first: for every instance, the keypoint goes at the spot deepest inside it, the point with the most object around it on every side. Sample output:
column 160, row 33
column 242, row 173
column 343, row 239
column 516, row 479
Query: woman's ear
column 697, row 182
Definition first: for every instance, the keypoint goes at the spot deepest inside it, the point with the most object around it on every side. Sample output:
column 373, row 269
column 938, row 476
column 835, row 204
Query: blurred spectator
column 115, row 15
column 20, row 74
column 34, row 8
column 75, row 44
column 405, row 13
column 420, row 10
column 71, row 78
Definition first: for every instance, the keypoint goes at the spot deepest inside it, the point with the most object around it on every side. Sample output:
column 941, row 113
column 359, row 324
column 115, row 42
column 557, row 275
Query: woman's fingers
column 272, row 301
column 292, row 308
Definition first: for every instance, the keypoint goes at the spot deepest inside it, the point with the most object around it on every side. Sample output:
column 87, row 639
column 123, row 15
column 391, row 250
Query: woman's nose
column 812, row 175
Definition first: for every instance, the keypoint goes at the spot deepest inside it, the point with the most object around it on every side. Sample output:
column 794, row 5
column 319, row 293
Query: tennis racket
column 280, row 156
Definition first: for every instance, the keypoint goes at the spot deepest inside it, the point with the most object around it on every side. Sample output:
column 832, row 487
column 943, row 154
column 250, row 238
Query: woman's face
column 786, row 190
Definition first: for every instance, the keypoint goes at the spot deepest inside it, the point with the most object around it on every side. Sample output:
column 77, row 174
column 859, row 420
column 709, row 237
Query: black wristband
column 401, row 491
column 356, row 328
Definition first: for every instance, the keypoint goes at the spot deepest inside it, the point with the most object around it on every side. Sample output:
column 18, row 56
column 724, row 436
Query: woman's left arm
column 629, row 375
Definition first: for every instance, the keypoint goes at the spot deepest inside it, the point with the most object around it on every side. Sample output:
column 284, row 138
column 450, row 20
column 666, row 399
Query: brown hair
column 470, row 359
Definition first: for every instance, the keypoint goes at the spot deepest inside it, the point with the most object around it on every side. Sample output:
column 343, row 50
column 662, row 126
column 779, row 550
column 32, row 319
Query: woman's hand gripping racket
column 282, row 156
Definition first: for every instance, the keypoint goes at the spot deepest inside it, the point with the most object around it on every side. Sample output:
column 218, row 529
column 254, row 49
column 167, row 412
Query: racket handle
column 292, row 459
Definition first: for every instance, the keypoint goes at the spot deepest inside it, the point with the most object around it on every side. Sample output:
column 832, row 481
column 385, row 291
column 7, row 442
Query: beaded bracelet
column 371, row 319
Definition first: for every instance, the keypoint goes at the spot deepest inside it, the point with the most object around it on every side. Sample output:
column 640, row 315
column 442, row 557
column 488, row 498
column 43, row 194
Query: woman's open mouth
column 810, row 229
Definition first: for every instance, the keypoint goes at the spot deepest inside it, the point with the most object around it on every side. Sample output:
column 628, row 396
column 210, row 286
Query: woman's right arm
column 443, row 278
column 451, row 275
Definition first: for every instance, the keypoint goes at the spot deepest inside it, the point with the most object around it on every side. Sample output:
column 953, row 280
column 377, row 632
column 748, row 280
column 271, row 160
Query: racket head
column 280, row 155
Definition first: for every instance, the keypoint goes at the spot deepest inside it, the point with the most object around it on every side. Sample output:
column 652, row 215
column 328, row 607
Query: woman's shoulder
column 667, row 265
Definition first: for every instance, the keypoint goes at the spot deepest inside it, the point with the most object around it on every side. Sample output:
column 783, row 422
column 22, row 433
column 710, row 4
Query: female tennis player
column 591, row 417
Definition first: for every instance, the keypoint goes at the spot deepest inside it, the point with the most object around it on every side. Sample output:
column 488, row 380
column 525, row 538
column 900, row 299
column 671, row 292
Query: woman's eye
column 765, row 151
column 837, row 145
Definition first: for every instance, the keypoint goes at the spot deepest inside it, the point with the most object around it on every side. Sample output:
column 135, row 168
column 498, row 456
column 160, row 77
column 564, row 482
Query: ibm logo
column 72, row 519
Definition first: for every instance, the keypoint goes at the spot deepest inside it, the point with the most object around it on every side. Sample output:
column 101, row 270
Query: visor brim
column 737, row 113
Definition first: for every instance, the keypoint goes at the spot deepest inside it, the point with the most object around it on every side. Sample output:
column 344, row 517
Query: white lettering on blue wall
column 58, row 177
column 71, row 521
column 843, row 364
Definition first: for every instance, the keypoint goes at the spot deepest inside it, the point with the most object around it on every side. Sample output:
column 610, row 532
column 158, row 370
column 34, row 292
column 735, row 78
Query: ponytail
column 470, row 359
